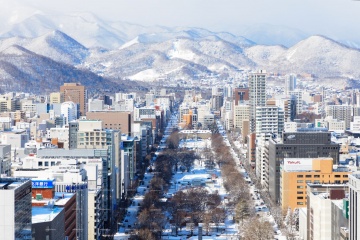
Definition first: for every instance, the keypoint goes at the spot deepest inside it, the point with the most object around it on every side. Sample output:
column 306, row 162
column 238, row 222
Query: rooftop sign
column 298, row 164
column 42, row 183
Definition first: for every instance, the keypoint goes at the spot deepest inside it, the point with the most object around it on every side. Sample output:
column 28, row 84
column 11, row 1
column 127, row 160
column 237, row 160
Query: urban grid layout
column 158, row 130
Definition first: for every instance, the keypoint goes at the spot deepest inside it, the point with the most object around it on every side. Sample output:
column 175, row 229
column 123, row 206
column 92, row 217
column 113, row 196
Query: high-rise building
column 115, row 120
column 15, row 208
column 354, row 211
column 240, row 95
column 74, row 92
column 306, row 143
column 290, row 83
column 241, row 113
column 269, row 121
column 324, row 218
column 257, row 95
column 228, row 91
column 298, row 100
column 56, row 97
column 298, row 172
column 341, row 113
column 69, row 111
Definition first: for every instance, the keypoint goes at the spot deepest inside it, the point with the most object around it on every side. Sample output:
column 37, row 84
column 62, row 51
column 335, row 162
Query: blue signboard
column 42, row 183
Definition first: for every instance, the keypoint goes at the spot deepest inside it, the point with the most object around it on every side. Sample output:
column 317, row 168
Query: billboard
column 298, row 164
column 42, row 183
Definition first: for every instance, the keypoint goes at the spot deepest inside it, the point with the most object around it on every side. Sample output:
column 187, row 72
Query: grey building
column 15, row 208
column 306, row 143
column 73, row 130
column 48, row 222
column 5, row 160
column 257, row 95
column 354, row 211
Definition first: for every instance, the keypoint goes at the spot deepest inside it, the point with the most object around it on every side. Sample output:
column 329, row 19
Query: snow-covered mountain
column 24, row 70
column 175, row 58
column 36, row 47
column 318, row 55
column 55, row 45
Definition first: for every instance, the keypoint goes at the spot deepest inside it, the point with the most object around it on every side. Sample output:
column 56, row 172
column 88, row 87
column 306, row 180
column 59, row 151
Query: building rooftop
column 11, row 183
column 45, row 214
column 62, row 198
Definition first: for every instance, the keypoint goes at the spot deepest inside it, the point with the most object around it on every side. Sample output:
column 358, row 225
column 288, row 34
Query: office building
column 354, row 211
column 74, row 92
column 269, row 122
column 48, row 222
column 56, row 97
column 324, row 218
column 241, row 113
column 15, row 209
column 240, row 95
column 257, row 95
column 5, row 160
column 297, row 172
column 115, row 120
column 298, row 95
column 306, row 143
column 69, row 112
column 341, row 113
column 290, row 83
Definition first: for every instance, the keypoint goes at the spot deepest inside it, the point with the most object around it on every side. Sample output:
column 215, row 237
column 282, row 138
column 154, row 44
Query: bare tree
column 152, row 218
column 218, row 216
column 173, row 140
column 242, row 211
column 145, row 234
column 257, row 228
column 291, row 224
column 206, row 222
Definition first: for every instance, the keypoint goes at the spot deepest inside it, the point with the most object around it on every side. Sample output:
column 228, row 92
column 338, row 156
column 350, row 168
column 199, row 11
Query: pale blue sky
column 339, row 18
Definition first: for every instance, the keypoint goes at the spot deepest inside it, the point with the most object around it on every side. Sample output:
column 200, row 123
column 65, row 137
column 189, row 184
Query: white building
column 69, row 111
column 257, row 94
column 269, row 121
column 341, row 113
column 241, row 113
column 61, row 134
column 290, row 83
column 95, row 105
column 354, row 211
column 355, row 125
column 15, row 209
column 298, row 99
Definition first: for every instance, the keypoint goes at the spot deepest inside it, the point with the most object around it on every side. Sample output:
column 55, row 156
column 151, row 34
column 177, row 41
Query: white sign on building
column 298, row 164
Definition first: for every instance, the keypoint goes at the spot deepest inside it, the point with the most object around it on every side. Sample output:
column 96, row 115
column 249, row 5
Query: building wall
column 15, row 212
column 52, row 230
column 76, row 93
column 241, row 113
column 303, row 223
column 320, row 198
column 257, row 94
column 293, row 184
column 297, row 145
column 240, row 95
column 354, row 212
column 113, row 120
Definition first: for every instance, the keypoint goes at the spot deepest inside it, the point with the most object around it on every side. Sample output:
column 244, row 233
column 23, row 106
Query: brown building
column 74, row 92
column 68, row 202
column 251, row 141
column 241, row 95
column 115, row 120
column 317, row 98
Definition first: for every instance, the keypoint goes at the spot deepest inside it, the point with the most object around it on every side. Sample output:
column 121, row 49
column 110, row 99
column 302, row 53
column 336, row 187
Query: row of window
column 46, row 164
column 318, row 176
